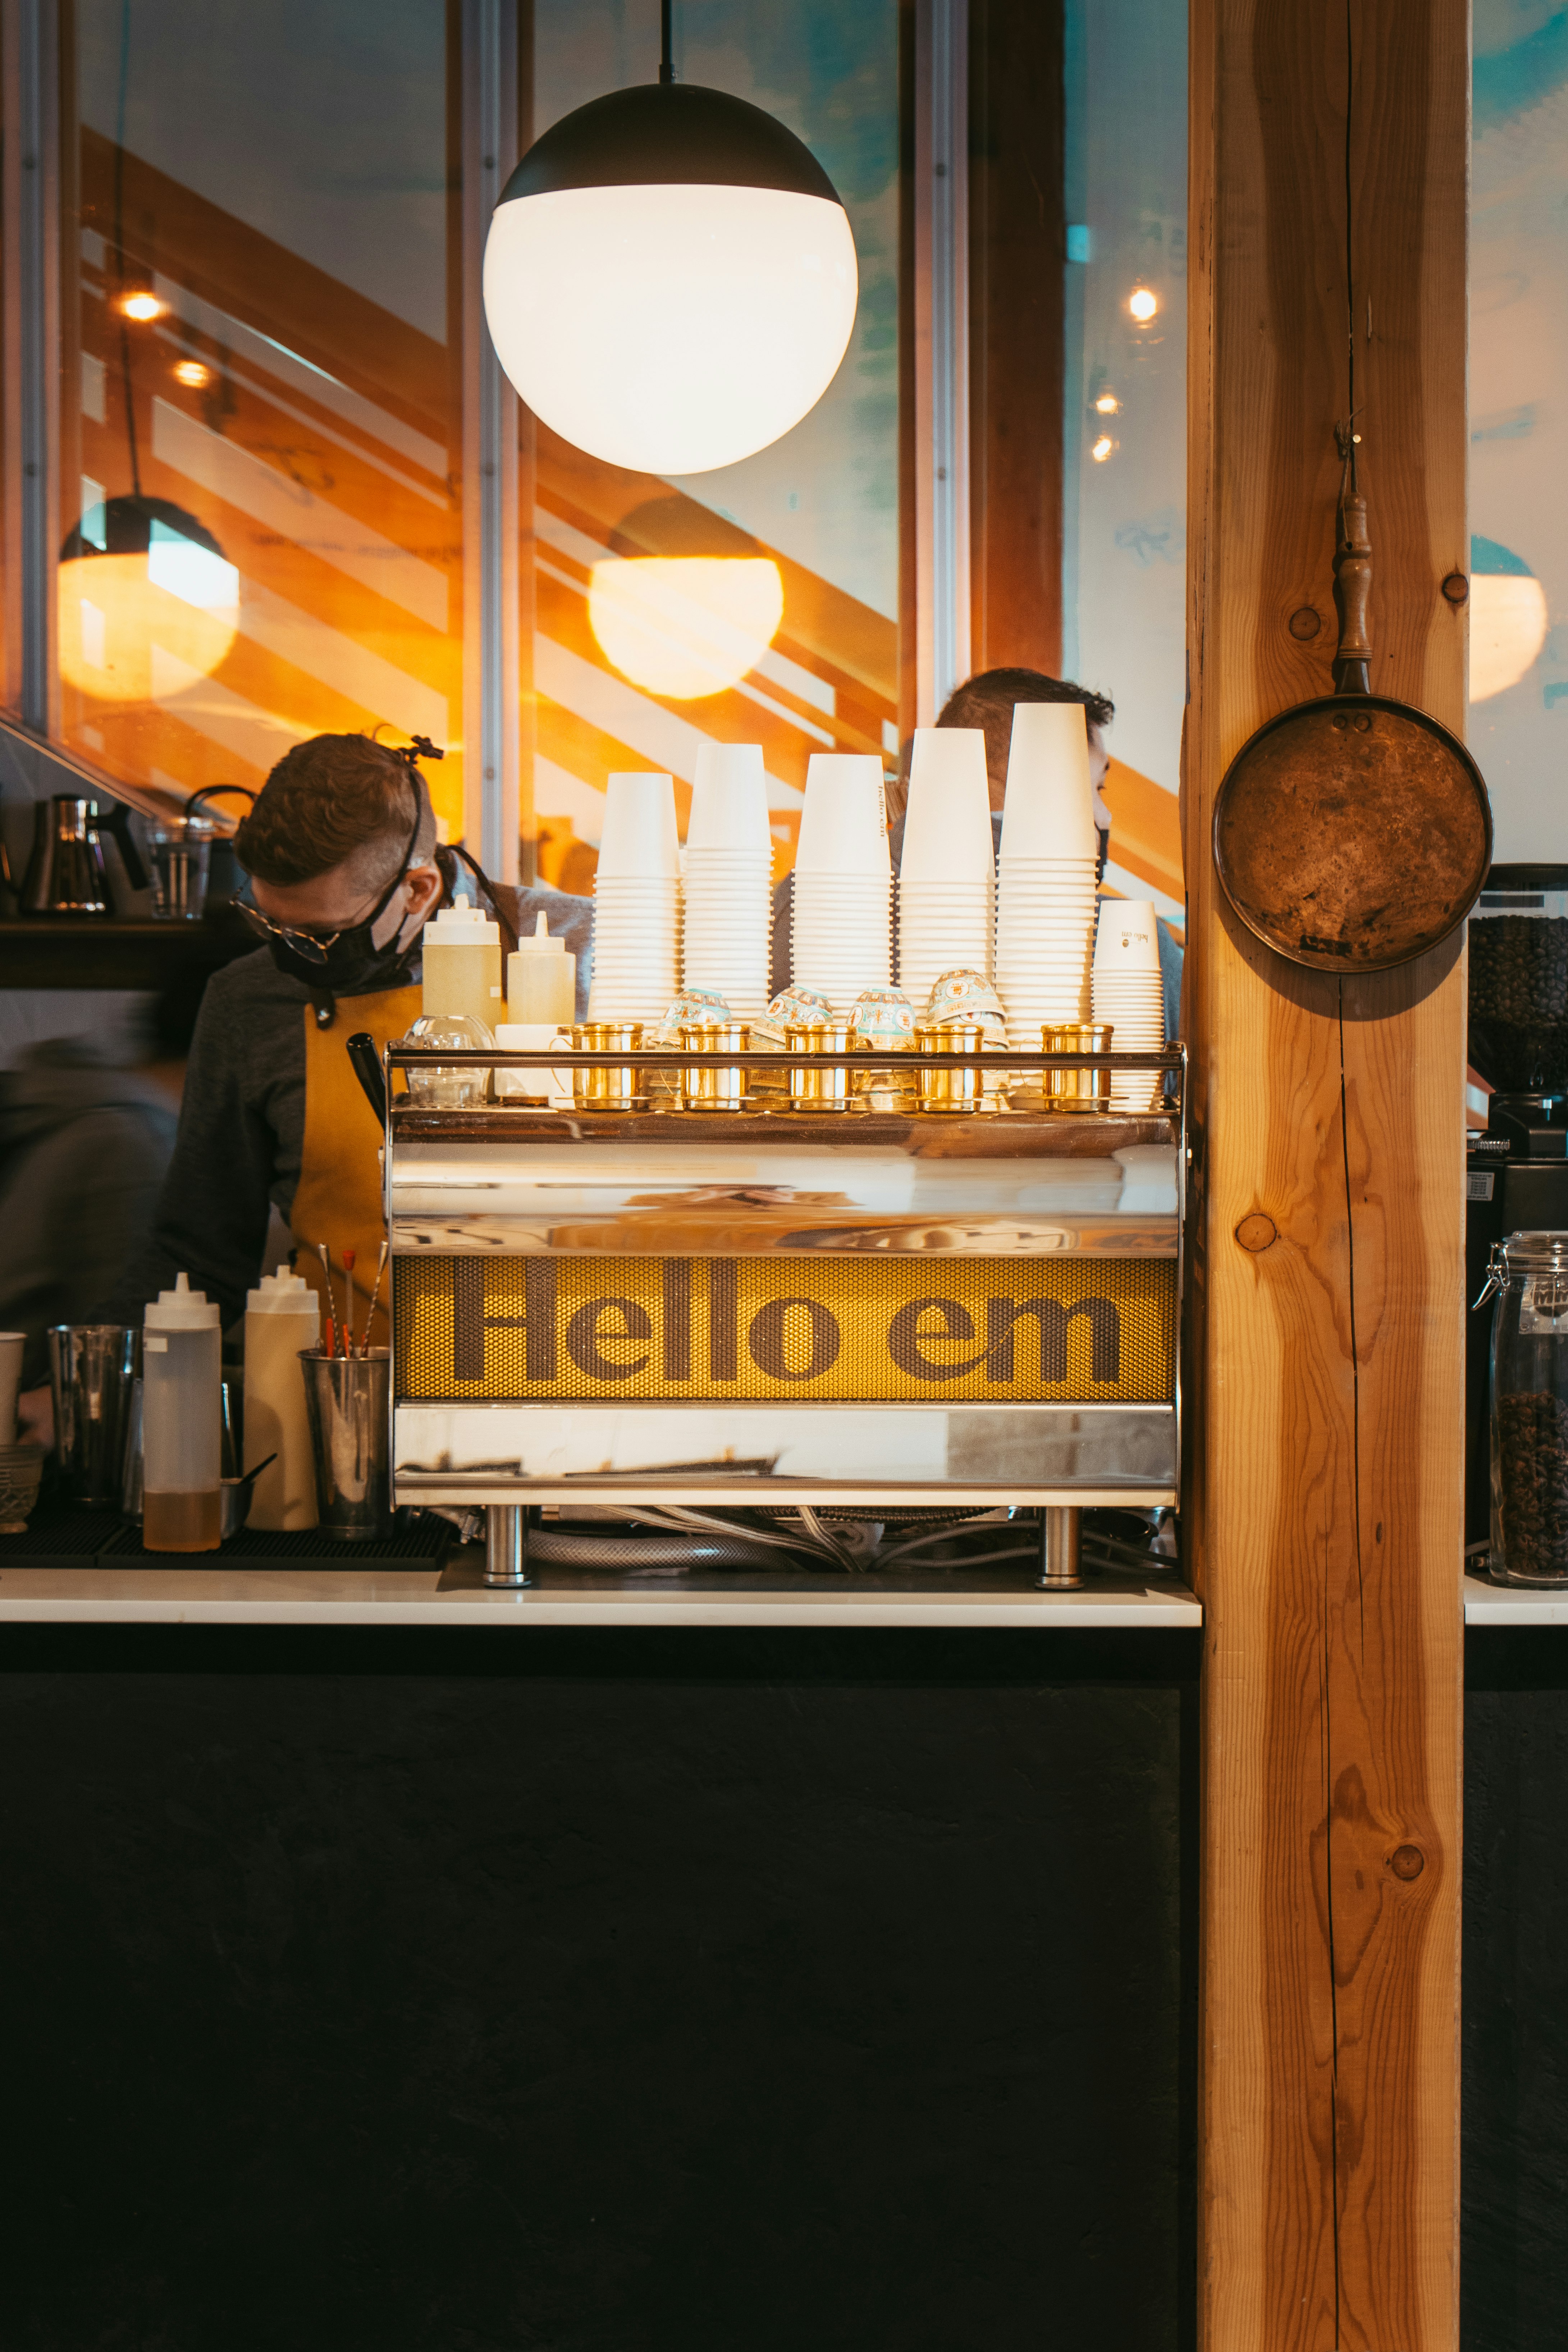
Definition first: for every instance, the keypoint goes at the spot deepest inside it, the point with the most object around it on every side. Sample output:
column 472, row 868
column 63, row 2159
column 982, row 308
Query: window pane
column 1519, row 433
column 626, row 673
column 258, row 395
column 1124, row 527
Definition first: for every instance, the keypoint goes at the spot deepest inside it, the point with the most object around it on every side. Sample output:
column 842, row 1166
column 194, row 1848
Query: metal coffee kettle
column 66, row 874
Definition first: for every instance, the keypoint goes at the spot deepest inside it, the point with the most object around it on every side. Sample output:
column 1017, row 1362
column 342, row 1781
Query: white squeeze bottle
column 282, row 1316
column 541, row 980
column 461, row 949
column 182, row 1347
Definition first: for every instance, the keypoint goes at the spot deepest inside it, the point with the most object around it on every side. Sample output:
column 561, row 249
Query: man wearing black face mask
column 345, row 870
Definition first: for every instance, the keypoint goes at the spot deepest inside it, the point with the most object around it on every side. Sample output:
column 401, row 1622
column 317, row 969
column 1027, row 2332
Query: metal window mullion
column 29, row 47
column 942, row 351
column 490, row 651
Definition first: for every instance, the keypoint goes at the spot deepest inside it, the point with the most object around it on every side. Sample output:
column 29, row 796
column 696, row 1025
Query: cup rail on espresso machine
column 986, row 1305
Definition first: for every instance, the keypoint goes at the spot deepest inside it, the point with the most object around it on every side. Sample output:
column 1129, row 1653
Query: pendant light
column 139, row 579
column 670, row 277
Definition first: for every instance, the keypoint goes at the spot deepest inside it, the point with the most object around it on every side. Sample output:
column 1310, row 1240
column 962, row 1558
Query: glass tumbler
column 180, row 855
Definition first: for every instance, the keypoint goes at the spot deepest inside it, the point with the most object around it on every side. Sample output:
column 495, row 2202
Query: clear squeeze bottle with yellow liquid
column 461, row 952
column 182, row 1347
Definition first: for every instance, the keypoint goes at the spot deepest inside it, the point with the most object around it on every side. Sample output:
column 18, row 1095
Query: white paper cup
column 728, row 799
column 638, row 838
column 1050, row 809
column 12, row 1344
column 844, row 819
column 1128, row 939
column 947, row 825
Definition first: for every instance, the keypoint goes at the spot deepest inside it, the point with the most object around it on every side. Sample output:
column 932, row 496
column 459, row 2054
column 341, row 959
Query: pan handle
column 1352, row 592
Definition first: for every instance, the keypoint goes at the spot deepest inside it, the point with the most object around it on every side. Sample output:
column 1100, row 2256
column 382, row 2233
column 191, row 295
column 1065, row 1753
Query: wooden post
column 1327, row 224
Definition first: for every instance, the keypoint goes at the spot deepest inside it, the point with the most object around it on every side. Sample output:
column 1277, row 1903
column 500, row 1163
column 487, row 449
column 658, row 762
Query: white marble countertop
column 252, row 1596
column 1503, row 1604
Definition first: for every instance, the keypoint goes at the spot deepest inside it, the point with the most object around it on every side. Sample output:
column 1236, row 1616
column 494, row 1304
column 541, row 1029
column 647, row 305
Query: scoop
column 237, row 1493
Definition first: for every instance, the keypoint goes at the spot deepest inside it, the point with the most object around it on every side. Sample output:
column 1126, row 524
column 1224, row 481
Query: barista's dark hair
column 986, row 702
column 325, row 800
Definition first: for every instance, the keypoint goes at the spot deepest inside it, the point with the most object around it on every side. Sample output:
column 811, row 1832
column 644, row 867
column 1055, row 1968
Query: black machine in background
column 1516, row 1174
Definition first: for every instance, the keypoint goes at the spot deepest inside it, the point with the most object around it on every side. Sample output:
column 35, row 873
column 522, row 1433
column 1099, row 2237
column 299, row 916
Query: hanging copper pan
column 1353, row 833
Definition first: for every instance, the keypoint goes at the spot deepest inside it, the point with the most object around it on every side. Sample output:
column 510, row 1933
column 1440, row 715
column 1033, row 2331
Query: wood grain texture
column 1324, row 1372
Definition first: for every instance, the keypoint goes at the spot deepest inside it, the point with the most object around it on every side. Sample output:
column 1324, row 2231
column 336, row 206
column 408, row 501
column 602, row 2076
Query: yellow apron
column 339, row 1199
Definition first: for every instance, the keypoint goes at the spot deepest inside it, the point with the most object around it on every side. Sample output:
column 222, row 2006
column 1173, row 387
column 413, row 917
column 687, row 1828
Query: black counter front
column 599, row 1990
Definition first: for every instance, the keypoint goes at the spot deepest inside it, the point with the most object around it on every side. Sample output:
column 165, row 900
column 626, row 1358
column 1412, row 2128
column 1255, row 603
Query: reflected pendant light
column 669, row 278
column 146, row 601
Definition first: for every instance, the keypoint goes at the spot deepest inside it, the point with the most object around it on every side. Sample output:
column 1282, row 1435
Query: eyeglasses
column 310, row 947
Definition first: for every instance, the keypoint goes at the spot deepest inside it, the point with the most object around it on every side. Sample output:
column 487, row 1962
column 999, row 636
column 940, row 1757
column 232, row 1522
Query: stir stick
column 375, row 1294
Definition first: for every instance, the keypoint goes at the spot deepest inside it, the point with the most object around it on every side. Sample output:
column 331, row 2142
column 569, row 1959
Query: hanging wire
column 667, row 41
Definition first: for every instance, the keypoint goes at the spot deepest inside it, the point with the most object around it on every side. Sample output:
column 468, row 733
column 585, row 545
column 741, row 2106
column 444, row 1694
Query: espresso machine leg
column 506, row 1545
column 1061, row 1527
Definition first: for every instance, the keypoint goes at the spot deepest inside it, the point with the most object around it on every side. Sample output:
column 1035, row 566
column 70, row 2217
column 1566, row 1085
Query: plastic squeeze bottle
column 541, row 980
column 282, row 1316
column 182, row 1347
column 461, row 952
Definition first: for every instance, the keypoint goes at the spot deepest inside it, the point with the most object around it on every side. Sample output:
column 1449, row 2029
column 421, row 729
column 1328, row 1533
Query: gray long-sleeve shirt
column 242, row 1123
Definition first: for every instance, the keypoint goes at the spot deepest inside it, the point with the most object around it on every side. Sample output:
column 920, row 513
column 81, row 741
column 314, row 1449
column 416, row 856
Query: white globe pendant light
column 669, row 278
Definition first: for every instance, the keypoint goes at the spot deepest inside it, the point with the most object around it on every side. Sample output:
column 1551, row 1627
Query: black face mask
column 348, row 963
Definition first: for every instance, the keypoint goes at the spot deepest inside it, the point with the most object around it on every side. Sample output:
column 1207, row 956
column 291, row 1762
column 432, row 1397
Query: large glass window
column 1519, row 427
column 1125, row 461
column 759, row 602
column 259, row 526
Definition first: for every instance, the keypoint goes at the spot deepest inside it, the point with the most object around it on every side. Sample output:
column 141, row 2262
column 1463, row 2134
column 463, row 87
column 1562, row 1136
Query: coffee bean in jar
column 1528, row 1281
column 1518, row 941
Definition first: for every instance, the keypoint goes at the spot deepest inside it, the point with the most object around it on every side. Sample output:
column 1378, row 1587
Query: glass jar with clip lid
column 1529, row 1279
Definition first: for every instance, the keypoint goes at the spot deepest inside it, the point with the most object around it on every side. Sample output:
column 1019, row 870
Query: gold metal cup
column 949, row 1091
column 1078, row 1090
column 616, row 1089
column 714, row 1086
column 826, row 1089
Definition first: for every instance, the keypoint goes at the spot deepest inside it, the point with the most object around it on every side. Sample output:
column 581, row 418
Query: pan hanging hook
column 1353, row 570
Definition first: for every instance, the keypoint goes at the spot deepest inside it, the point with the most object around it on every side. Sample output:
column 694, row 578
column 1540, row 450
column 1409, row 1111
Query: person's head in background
column 986, row 702
column 342, row 833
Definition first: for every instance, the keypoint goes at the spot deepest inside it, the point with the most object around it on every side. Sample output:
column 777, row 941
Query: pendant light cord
column 666, row 36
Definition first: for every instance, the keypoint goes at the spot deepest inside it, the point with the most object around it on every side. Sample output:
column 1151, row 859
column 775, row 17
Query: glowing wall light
column 1509, row 618
column 141, row 574
column 1142, row 304
column 685, row 626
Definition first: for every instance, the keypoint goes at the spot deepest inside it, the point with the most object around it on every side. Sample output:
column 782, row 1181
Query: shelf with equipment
column 102, row 951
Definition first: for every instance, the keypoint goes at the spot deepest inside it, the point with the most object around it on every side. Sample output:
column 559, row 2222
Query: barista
column 345, row 870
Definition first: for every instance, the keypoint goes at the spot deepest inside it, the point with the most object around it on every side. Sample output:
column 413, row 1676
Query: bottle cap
column 183, row 1309
column 542, row 944
column 282, row 1294
column 463, row 927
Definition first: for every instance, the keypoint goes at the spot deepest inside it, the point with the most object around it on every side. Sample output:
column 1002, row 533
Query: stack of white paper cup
column 842, row 937
column 1129, row 994
column 727, row 916
column 637, row 902
column 947, row 880
column 1045, row 884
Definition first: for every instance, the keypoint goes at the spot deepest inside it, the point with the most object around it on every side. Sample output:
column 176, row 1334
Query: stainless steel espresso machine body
column 866, row 1309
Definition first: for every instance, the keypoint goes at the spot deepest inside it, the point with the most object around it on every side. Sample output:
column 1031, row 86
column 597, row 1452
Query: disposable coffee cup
column 947, row 824
column 844, row 819
column 729, row 800
column 1050, row 807
column 640, row 839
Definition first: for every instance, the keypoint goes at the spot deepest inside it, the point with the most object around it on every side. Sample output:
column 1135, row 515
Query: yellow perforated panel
column 1006, row 1331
